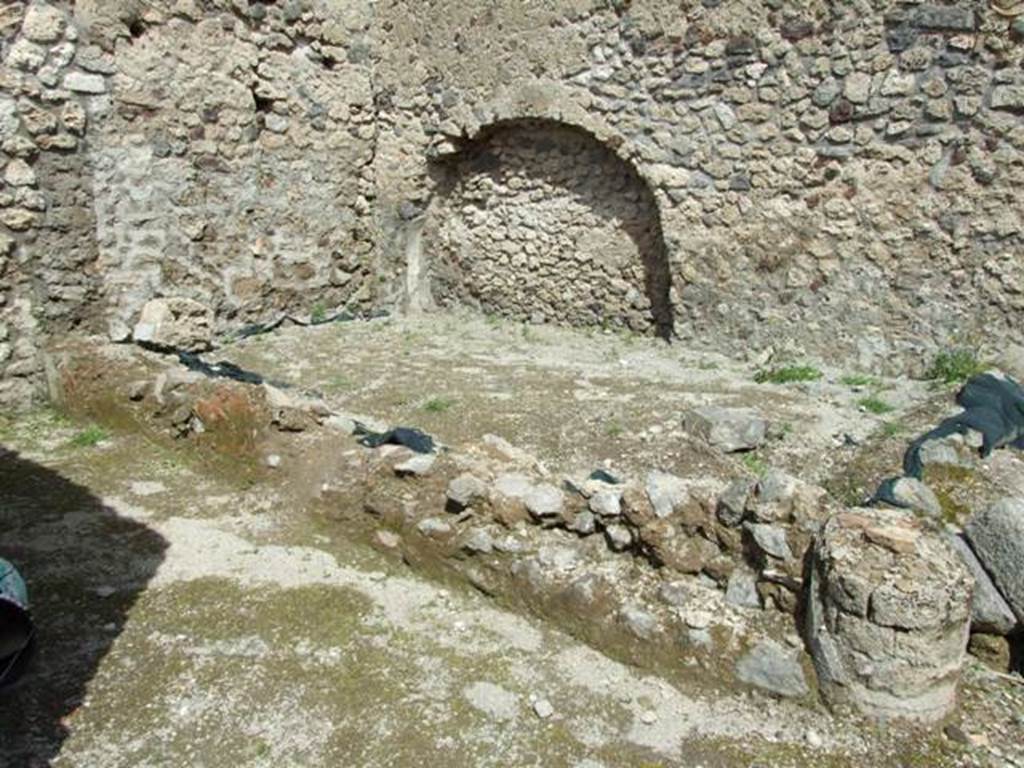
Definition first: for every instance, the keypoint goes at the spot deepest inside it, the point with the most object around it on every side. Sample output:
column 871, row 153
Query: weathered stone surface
column 732, row 504
column 175, row 323
column 773, row 668
column 465, row 490
column 742, row 589
column 997, row 537
column 82, row 82
column 770, row 540
column 731, row 429
column 945, row 17
column 606, row 503
column 416, row 466
column 666, row 492
column 989, row 611
column 917, row 496
column 1008, row 97
column 513, row 485
column 884, row 590
column 43, row 23
column 544, row 501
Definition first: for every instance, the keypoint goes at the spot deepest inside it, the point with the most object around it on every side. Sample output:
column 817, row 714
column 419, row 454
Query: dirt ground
column 189, row 619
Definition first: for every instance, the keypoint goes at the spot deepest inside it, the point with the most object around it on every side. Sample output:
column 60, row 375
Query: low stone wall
column 702, row 579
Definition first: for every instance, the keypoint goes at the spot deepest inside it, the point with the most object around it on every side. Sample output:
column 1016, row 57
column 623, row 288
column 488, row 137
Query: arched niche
column 538, row 220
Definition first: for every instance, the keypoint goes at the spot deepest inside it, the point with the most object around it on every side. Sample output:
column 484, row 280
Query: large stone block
column 888, row 615
column 990, row 613
column 731, row 429
column 175, row 323
column 997, row 538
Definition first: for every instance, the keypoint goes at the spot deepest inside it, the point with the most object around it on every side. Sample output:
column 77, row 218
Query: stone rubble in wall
column 794, row 119
column 805, row 168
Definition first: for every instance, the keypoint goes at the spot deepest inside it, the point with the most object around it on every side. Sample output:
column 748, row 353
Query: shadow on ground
column 85, row 565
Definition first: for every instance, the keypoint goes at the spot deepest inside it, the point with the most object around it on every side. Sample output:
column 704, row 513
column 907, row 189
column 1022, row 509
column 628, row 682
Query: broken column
column 889, row 608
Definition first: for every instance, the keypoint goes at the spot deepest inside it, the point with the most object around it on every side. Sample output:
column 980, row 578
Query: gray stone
column 465, row 489
column 857, row 87
column 18, row 173
column 827, row 92
column 997, row 537
column 175, row 323
column 640, row 622
column 620, row 537
column 954, row 450
column 492, row 700
column 773, row 668
column 1008, row 97
column 730, row 429
column 584, row 523
column 726, row 116
column 83, row 82
column 989, row 611
column 43, row 23
column 479, row 540
column 606, row 503
column 944, row 17
column 917, row 496
column 732, row 504
column 742, row 589
column 513, row 485
column 434, row 527
column 770, row 539
column 674, row 593
column 544, row 501
column 419, row 465
column 543, row 709
column 666, row 492
column 26, row 55
column 558, row 557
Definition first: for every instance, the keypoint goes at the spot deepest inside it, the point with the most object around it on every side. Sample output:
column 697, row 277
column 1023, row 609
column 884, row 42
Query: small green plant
column 438, row 404
column 893, row 428
column 955, row 366
column 874, row 404
column 89, row 437
column 318, row 313
column 860, row 380
column 787, row 374
column 754, row 463
column 528, row 334
column 613, row 428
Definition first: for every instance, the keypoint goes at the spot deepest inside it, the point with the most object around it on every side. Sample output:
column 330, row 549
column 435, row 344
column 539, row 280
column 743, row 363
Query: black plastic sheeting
column 255, row 329
column 221, row 370
column 412, row 438
column 993, row 405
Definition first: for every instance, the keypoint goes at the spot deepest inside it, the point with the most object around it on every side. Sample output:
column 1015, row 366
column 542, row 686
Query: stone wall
column 830, row 179
column 546, row 224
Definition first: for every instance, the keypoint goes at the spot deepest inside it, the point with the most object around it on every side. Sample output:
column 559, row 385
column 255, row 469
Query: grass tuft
column 754, row 464
column 438, row 404
column 876, row 405
column 787, row 374
column 90, row 436
column 955, row 366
